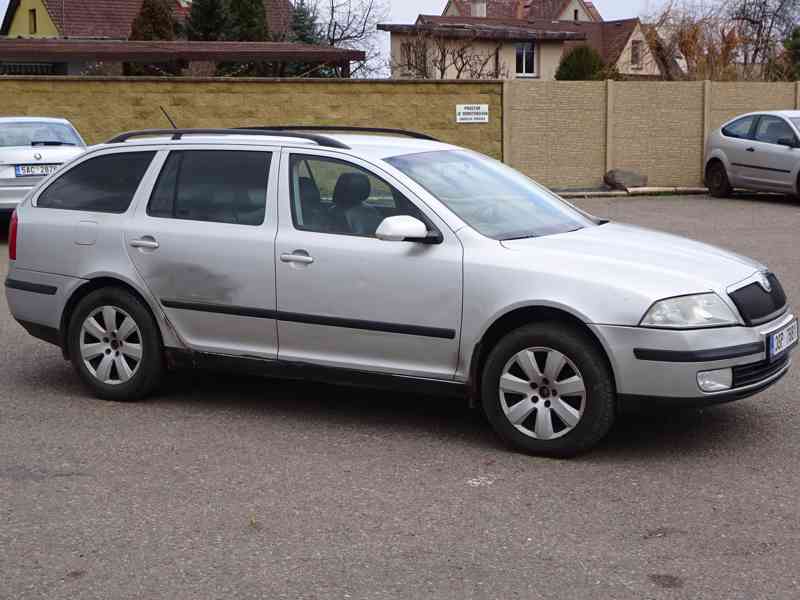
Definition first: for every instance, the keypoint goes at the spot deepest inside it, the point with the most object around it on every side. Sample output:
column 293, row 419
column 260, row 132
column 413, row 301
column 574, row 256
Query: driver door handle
column 146, row 242
column 298, row 256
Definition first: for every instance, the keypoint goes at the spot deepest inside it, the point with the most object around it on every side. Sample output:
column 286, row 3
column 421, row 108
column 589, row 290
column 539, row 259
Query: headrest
column 351, row 190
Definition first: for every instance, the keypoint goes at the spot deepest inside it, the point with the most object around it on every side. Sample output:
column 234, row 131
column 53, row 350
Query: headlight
column 689, row 312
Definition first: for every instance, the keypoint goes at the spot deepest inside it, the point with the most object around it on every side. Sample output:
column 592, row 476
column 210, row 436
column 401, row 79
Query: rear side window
column 739, row 129
column 217, row 186
column 102, row 184
column 772, row 130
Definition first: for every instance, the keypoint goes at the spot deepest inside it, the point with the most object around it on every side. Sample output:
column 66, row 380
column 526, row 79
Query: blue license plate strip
column 782, row 341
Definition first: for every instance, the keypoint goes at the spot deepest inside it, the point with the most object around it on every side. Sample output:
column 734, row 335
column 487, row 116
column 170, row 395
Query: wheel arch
column 520, row 316
column 95, row 283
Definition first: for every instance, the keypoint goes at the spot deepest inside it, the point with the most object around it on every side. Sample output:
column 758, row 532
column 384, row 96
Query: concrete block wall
column 563, row 134
column 102, row 107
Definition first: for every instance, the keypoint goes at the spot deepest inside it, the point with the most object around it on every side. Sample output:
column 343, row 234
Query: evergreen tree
column 155, row 21
column 208, row 20
column 581, row 64
column 792, row 45
column 248, row 21
column 305, row 26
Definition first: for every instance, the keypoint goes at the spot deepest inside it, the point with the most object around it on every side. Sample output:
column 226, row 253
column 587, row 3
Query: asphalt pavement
column 230, row 487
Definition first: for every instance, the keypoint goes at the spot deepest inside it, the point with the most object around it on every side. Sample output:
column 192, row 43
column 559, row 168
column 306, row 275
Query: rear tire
column 548, row 390
column 717, row 180
column 114, row 344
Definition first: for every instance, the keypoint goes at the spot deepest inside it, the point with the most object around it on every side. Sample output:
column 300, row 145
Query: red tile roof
column 113, row 18
column 609, row 38
column 488, row 28
column 593, row 12
column 66, row 50
column 531, row 9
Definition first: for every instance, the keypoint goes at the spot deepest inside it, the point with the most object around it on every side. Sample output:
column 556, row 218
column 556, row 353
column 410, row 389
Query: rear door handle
column 751, row 149
column 146, row 242
column 298, row 256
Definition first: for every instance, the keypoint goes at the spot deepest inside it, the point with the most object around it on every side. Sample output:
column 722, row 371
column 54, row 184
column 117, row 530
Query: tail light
column 12, row 236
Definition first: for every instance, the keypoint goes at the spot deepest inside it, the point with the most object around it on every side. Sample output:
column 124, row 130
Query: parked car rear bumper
column 654, row 366
column 10, row 197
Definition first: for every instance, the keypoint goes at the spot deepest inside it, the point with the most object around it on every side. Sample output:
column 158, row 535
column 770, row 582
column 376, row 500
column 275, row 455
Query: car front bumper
column 660, row 367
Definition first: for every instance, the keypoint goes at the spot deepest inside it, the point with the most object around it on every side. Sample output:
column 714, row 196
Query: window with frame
column 334, row 196
column 32, row 25
column 526, row 59
column 636, row 53
column 215, row 186
column 105, row 183
column 739, row 129
column 772, row 130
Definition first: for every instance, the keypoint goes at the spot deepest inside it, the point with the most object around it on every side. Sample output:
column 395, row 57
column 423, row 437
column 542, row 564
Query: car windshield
column 34, row 133
column 795, row 121
column 494, row 199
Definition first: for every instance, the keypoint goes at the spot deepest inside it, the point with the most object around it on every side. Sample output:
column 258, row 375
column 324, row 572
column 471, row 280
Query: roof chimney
column 478, row 8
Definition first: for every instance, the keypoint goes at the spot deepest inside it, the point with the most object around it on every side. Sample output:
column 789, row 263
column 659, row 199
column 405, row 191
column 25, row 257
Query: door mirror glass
column 402, row 229
column 790, row 142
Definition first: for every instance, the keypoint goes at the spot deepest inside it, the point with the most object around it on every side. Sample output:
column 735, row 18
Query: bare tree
column 695, row 40
column 428, row 55
column 762, row 25
column 353, row 24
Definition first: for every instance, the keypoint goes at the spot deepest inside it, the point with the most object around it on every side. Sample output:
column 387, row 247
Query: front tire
column 114, row 344
column 717, row 180
column 547, row 390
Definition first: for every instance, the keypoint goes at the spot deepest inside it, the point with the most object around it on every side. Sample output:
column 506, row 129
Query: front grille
column 757, row 305
column 755, row 372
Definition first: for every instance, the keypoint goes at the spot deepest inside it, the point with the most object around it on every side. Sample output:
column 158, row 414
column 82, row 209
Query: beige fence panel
column 731, row 99
column 556, row 131
column 658, row 131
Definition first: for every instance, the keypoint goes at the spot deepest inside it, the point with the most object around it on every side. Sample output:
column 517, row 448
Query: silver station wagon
column 388, row 260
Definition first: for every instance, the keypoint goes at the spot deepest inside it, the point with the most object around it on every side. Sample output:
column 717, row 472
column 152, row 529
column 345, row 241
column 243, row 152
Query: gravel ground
column 223, row 487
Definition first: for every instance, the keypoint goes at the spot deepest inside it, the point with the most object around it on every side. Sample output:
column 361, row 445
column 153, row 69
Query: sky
column 405, row 11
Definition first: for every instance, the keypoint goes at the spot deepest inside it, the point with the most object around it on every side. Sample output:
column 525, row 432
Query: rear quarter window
column 105, row 184
column 740, row 128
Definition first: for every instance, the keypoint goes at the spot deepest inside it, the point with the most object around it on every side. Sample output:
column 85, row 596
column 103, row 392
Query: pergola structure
column 65, row 56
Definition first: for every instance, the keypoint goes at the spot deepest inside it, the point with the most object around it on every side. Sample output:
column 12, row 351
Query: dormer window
column 478, row 8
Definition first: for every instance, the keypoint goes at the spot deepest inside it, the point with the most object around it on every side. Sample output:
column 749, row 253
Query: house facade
column 93, row 21
column 515, row 39
column 106, row 19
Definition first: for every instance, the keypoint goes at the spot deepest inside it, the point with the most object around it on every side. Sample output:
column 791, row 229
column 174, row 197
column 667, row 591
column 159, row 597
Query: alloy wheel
column 542, row 393
column 111, row 345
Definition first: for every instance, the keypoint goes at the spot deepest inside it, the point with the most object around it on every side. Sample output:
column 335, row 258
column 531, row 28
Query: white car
column 31, row 148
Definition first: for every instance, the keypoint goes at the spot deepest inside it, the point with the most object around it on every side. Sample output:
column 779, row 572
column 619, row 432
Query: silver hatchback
column 388, row 261
column 757, row 151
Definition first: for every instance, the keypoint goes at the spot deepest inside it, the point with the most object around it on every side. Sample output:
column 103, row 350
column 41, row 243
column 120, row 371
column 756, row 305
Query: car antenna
column 166, row 114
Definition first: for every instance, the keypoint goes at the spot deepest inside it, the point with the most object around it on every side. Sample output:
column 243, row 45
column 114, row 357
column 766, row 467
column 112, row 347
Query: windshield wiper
column 52, row 143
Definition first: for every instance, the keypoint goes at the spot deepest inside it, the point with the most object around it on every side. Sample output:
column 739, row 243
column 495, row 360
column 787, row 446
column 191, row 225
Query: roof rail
column 177, row 134
column 333, row 128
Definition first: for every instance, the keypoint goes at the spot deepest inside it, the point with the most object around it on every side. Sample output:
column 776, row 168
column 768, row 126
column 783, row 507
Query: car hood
column 655, row 264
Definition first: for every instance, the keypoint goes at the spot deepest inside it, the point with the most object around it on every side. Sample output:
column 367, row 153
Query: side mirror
column 402, row 229
column 789, row 142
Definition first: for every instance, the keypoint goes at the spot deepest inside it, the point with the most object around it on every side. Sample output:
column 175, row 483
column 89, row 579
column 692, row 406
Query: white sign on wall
column 472, row 113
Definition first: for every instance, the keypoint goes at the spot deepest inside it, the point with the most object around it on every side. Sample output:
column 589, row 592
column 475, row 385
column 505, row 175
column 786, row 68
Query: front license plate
column 782, row 341
column 35, row 170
